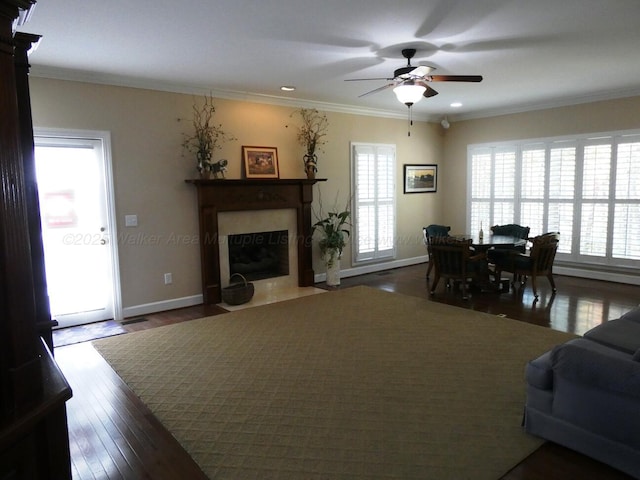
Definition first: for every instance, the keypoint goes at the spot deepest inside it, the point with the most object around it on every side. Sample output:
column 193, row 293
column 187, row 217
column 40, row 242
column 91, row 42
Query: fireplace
column 257, row 201
column 259, row 255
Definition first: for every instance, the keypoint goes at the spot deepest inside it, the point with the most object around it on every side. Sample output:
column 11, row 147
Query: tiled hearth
column 266, row 293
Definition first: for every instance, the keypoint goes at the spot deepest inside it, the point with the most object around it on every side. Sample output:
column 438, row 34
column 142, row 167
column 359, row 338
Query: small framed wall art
column 420, row 178
column 260, row 162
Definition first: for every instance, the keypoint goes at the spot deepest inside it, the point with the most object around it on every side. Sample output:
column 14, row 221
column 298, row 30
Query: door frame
column 103, row 136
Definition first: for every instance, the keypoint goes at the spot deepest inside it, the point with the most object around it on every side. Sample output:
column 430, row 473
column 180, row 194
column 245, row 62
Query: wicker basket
column 237, row 293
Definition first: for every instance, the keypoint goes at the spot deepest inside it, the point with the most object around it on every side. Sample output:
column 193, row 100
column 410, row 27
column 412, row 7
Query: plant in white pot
column 333, row 234
column 207, row 137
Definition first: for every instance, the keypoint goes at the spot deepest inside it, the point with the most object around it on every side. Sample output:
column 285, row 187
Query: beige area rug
column 352, row 384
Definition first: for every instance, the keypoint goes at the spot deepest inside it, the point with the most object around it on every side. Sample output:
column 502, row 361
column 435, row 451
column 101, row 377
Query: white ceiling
column 532, row 53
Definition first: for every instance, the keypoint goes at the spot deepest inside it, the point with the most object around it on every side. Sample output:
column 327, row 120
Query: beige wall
column 149, row 171
column 621, row 114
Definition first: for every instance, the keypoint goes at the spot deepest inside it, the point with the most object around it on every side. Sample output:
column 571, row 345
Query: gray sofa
column 585, row 394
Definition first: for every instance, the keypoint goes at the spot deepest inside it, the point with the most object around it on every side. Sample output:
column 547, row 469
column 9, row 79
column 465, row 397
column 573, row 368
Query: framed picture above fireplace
column 260, row 162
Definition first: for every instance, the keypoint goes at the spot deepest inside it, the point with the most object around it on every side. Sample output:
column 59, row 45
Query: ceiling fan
column 417, row 79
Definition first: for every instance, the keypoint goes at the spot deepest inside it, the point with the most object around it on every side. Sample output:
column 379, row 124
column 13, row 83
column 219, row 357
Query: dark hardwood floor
column 114, row 436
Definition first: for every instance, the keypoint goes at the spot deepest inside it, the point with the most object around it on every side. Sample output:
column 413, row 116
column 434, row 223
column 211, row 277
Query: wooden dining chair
column 511, row 230
column 539, row 261
column 455, row 260
column 433, row 230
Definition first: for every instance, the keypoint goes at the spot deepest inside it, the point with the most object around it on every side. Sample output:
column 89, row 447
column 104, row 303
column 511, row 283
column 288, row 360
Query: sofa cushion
column 621, row 334
column 588, row 363
column 636, row 356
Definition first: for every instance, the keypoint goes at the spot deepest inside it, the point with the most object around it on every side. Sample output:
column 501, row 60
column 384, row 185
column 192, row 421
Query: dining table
column 483, row 244
column 491, row 241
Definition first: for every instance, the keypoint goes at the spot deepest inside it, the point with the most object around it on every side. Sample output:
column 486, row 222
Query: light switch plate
column 130, row 220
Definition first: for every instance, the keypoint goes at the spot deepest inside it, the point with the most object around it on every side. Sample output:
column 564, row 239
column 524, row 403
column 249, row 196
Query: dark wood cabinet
column 34, row 441
column 24, row 42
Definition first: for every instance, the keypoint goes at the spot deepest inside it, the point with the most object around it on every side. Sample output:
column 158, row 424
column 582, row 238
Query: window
column 374, row 222
column 587, row 188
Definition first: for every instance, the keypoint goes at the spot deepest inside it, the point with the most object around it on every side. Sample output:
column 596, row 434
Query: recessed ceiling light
column 287, row 88
column 456, row 104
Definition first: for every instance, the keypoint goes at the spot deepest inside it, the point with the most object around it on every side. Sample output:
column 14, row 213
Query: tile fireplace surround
column 216, row 196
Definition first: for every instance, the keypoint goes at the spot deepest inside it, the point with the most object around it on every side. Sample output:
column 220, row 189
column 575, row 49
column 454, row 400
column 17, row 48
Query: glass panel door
column 75, row 229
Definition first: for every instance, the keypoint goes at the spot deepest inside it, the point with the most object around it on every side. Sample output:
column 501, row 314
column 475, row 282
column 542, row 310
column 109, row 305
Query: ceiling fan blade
column 429, row 92
column 362, row 79
column 454, row 78
column 421, row 71
column 377, row 90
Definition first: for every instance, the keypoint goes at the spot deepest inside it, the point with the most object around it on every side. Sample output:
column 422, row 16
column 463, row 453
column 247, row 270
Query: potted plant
column 333, row 233
column 311, row 135
column 206, row 137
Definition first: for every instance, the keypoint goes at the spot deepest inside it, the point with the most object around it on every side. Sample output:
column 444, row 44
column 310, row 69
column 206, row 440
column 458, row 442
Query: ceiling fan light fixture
column 409, row 94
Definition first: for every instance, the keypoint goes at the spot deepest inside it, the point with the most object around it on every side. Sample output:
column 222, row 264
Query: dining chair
column 453, row 260
column 539, row 261
column 433, row 230
column 511, row 230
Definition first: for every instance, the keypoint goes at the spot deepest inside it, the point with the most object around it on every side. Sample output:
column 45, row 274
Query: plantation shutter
column 595, row 199
column 374, row 201
column 493, row 186
column 532, row 188
column 562, row 172
column 585, row 187
column 481, row 173
column 626, row 216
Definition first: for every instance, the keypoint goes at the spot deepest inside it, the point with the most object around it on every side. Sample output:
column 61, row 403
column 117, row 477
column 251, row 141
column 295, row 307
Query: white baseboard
column 591, row 273
column 148, row 308
column 605, row 275
column 172, row 304
column 374, row 267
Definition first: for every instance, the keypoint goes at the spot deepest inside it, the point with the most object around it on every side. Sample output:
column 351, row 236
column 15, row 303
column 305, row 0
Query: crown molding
column 148, row 84
column 20, row 11
column 556, row 103
column 131, row 82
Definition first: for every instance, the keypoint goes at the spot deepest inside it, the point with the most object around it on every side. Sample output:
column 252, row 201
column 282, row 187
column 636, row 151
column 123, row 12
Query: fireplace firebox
column 258, row 256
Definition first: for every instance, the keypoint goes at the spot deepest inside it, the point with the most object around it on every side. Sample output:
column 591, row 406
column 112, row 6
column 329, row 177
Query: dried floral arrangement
column 206, row 137
column 311, row 135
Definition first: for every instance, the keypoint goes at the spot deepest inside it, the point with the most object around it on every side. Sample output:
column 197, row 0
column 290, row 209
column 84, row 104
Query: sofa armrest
column 588, row 363
column 539, row 372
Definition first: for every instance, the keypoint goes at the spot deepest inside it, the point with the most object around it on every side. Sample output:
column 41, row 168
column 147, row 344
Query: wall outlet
column 168, row 279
